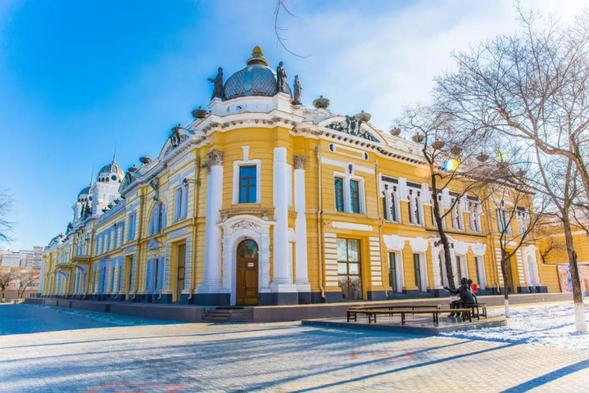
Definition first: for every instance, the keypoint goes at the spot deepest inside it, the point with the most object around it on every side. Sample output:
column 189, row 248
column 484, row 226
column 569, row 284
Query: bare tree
column 5, row 224
column 456, row 169
column 516, row 221
column 533, row 88
column 7, row 276
column 26, row 279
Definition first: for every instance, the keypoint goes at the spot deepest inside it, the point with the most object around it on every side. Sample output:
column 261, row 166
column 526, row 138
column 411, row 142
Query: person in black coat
column 466, row 296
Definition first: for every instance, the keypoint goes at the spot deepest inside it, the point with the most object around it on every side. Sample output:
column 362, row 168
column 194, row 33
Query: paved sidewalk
column 278, row 357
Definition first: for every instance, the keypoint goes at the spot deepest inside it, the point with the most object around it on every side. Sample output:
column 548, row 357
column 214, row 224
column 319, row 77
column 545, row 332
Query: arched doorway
column 247, row 273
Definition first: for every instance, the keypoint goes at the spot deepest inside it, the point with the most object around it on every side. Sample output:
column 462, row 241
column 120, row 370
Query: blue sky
column 79, row 79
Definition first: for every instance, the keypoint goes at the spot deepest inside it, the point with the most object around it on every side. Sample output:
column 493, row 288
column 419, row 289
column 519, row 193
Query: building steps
column 226, row 314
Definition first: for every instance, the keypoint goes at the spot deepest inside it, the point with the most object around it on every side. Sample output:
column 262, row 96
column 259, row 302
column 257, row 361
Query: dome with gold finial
column 256, row 79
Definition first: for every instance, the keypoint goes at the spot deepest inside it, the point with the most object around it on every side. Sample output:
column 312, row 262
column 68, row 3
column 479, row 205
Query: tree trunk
column 504, row 260
column 580, row 322
column 447, row 259
column 442, row 233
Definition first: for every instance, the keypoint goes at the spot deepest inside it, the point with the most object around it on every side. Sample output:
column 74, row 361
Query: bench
column 477, row 308
column 435, row 311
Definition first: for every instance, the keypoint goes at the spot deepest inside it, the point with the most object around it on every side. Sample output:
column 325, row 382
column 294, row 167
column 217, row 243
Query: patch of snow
column 544, row 324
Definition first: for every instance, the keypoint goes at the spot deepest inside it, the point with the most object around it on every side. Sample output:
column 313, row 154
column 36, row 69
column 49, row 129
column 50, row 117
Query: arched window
column 157, row 220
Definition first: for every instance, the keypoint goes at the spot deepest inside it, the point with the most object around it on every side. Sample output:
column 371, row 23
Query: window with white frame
column 457, row 216
column 338, row 185
column 157, row 220
column 415, row 206
column 433, row 216
column 181, row 203
column 349, row 194
column 462, row 267
column 474, row 208
column 390, row 199
column 523, row 219
column 480, row 269
column 115, row 231
column 420, row 272
column 396, row 281
column 155, row 275
column 503, row 219
column 132, row 224
column 246, row 181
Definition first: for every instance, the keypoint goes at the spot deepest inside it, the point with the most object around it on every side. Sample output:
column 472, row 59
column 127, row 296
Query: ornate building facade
column 263, row 200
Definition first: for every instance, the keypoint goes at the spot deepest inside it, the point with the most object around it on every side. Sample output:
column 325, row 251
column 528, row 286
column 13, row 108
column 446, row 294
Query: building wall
column 325, row 156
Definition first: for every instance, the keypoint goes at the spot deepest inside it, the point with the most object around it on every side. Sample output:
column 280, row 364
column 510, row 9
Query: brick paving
column 278, row 357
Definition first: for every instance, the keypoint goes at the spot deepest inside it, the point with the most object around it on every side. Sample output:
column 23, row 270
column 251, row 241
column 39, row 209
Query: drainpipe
column 381, row 216
column 139, row 235
column 319, row 222
column 194, row 225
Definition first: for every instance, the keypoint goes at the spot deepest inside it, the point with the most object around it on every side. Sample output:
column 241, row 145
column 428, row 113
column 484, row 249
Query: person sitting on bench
column 466, row 296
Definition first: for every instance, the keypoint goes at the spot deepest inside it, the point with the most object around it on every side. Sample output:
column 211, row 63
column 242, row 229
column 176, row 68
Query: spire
column 91, row 176
column 257, row 57
column 114, row 154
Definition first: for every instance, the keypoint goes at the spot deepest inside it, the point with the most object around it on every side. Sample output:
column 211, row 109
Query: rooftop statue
column 218, row 89
column 298, row 91
column 281, row 78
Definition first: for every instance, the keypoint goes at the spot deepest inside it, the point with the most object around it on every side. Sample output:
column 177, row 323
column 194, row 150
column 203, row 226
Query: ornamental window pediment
column 352, row 125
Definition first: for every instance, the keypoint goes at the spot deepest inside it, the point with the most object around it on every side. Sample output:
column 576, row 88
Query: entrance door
column 348, row 268
column 247, row 273
column 181, row 255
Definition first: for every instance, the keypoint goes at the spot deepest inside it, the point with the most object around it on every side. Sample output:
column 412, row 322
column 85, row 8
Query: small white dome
column 110, row 173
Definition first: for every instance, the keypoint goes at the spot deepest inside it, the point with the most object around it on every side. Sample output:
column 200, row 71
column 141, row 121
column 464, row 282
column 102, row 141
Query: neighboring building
column 22, row 270
column 262, row 200
column 554, row 256
column 22, row 258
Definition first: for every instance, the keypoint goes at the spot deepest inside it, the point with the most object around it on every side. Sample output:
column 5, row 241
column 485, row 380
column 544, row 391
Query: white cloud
column 381, row 63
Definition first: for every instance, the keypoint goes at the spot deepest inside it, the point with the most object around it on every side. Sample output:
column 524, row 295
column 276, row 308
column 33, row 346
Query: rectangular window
column 459, row 267
column 247, row 184
column 391, row 213
column 112, row 280
column 355, row 196
column 339, row 194
column 414, row 208
column 417, row 271
column 120, row 279
column 502, row 223
column 393, row 272
column 348, row 266
column 131, row 228
column 115, row 232
column 178, row 204
column 457, row 216
column 480, row 269
column 475, row 218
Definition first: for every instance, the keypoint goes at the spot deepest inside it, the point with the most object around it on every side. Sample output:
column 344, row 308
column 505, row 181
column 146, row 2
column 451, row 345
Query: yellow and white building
column 263, row 200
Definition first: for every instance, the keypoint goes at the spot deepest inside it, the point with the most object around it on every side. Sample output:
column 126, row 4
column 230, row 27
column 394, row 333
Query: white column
column 283, row 281
column 302, row 279
column 212, row 265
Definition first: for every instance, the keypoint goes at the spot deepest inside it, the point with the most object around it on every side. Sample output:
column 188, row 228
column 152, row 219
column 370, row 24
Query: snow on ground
column 544, row 324
column 30, row 318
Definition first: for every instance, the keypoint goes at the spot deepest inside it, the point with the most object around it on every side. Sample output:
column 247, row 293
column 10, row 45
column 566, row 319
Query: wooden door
column 247, row 273
column 181, row 258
